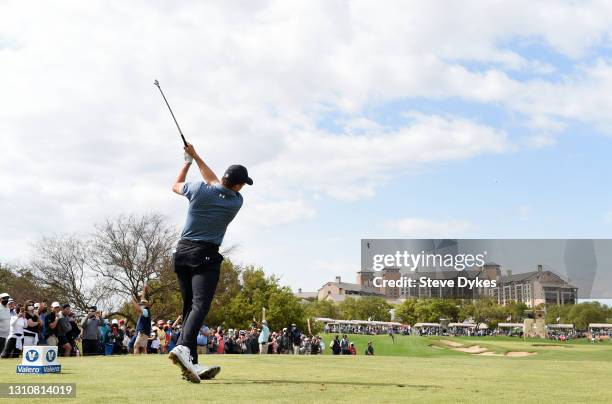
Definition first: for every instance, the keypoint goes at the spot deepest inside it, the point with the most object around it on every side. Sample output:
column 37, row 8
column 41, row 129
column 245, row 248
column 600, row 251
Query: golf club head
column 156, row 83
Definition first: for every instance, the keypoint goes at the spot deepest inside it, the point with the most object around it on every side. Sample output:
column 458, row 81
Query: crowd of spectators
column 57, row 324
column 93, row 334
column 364, row 329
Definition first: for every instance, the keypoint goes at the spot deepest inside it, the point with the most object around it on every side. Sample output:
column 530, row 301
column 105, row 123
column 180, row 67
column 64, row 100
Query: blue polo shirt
column 211, row 209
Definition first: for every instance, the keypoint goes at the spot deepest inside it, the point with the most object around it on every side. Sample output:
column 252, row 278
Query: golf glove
column 188, row 159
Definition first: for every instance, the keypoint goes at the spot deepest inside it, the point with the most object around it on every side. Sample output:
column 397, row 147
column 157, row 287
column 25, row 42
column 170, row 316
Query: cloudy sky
column 356, row 120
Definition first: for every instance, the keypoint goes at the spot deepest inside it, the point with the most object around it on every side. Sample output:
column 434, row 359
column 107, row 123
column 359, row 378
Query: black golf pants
column 197, row 266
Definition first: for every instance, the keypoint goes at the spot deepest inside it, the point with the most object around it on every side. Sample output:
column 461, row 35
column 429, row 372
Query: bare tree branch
column 62, row 263
column 130, row 251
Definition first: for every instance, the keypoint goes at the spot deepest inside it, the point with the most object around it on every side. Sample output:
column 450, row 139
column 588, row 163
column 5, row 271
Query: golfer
column 197, row 262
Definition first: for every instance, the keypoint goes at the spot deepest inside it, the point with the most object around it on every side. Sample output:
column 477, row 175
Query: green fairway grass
column 579, row 372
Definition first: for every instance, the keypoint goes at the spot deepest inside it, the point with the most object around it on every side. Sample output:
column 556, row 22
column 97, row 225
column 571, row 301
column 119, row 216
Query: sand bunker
column 520, row 353
column 476, row 349
column 490, row 353
column 450, row 343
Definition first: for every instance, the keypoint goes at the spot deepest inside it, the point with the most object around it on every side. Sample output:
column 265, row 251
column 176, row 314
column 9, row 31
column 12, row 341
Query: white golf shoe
column 180, row 356
column 207, row 372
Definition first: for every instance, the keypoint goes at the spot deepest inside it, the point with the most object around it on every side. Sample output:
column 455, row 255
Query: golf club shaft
column 172, row 113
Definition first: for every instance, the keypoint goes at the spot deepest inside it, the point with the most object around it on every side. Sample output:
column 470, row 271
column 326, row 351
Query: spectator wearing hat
column 5, row 319
column 115, row 337
column 153, row 343
column 202, row 340
column 168, row 331
column 14, row 342
column 143, row 326
column 264, row 335
column 91, row 332
column 161, row 334
column 285, row 342
column 296, row 338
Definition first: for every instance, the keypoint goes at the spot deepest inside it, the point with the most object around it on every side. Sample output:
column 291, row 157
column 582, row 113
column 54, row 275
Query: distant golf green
column 414, row 368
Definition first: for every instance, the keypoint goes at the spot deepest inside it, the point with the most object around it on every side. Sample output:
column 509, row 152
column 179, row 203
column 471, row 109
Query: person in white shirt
column 5, row 319
column 14, row 342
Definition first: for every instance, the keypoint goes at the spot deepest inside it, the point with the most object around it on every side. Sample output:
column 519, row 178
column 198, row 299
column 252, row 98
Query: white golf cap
column 115, row 321
column 55, row 304
column 36, row 305
column 3, row 295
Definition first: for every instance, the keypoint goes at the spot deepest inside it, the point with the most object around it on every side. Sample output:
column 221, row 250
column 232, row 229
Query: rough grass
column 408, row 370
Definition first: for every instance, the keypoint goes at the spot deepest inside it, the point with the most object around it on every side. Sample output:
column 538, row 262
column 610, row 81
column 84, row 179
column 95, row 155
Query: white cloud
column 272, row 213
column 351, row 166
column 415, row 227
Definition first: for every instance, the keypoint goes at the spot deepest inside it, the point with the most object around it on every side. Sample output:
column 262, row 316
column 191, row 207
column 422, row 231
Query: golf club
column 172, row 113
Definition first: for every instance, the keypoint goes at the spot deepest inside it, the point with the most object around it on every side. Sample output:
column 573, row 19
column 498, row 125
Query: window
column 551, row 296
column 568, row 297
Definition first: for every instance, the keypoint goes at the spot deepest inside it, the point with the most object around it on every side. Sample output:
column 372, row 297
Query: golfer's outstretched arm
column 177, row 186
column 208, row 174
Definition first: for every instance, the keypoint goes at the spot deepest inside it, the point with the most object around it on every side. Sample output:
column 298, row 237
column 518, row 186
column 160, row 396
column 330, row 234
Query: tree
column 321, row 308
column 370, row 307
column 554, row 312
column 486, row 311
column 406, row 311
column 62, row 264
column 131, row 251
column 258, row 291
column 582, row 314
column 164, row 295
column 432, row 310
column 516, row 310
column 22, row 285
column 227, row 288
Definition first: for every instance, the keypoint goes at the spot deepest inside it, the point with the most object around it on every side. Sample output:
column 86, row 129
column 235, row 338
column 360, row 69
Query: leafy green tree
column 484, row 311
column 405, row 312
column 227, row 288
column 589, row 312
column 348, row 309
column 516, row 310
column 321, row 308
column 432, row 310
column 374, row 308
column 21, row 284
column 555, row 311
column 258, row 291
